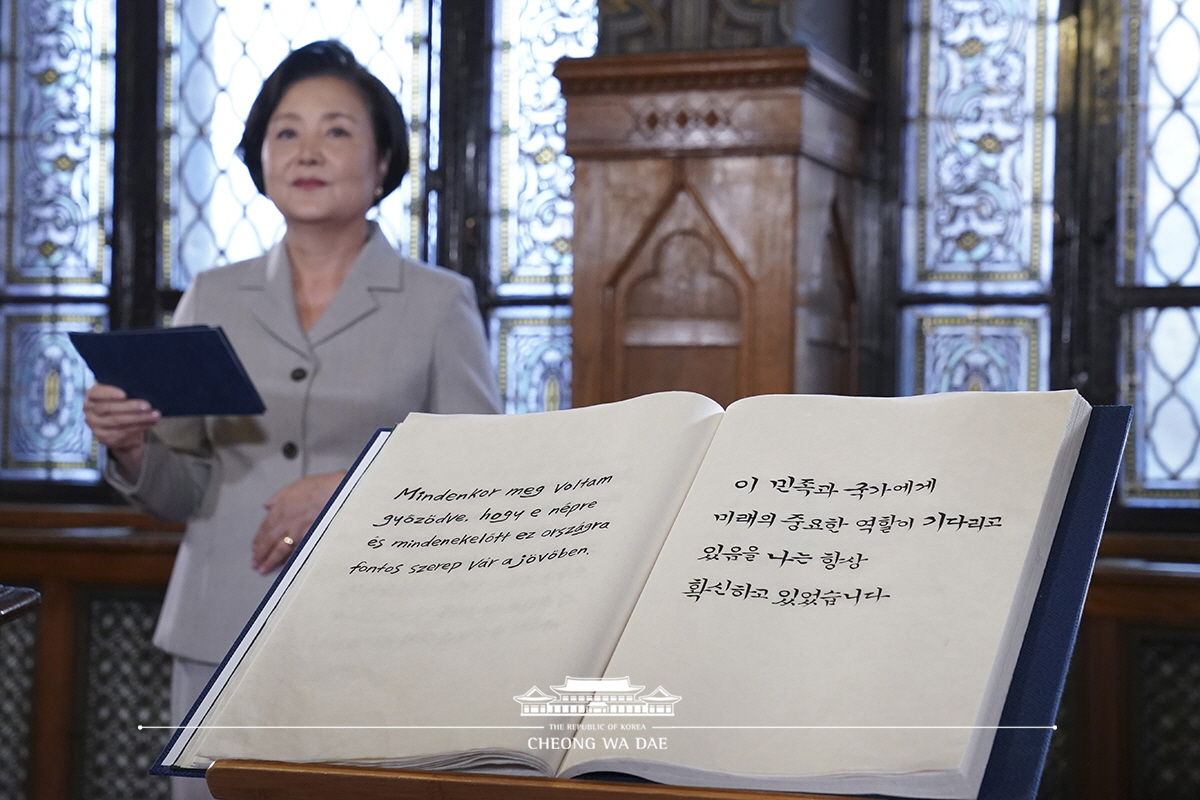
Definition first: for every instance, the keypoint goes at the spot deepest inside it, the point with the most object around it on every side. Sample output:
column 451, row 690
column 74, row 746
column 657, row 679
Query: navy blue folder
column 186, row 371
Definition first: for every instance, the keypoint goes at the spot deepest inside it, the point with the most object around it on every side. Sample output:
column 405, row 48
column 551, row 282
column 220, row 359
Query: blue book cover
column 186, row 371
column 1019, row 753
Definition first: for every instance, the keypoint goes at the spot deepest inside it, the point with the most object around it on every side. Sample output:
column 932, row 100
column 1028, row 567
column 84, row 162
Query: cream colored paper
column 361, row 639
column 930, row 641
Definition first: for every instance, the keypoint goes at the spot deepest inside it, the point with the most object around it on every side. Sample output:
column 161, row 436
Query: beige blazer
column 398, row 337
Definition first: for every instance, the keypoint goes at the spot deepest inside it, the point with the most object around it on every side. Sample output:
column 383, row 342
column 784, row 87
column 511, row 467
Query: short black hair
column 329, row 59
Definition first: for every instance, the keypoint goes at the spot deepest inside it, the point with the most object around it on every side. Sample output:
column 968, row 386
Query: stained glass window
column 532, row 346
column 1160, row 236
column 45, row 435
column 1161, row 231
column 1161, row 347
column 55, row 166
column 972, row 348
column 220, row 53
column 978, row 193
column 532, row 209
column 531, row 204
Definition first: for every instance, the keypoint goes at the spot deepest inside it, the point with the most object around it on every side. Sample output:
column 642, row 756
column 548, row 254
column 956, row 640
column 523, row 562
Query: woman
column 340, row 334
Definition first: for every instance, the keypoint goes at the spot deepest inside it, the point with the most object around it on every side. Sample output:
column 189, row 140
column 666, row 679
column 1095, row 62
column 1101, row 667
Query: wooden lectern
column 1017, row 755
column 714, row 223
column 268, row 780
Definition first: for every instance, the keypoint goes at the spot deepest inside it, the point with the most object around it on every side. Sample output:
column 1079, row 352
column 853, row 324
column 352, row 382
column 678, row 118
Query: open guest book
column 801, row 593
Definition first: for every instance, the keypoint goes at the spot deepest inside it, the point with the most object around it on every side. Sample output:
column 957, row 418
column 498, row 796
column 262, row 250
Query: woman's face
column 319, row 158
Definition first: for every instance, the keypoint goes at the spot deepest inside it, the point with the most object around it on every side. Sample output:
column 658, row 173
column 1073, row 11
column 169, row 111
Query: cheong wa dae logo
column 597, row 696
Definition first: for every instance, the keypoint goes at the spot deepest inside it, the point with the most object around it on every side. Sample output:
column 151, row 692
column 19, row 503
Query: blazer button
column 290, row 450
column 299, row 374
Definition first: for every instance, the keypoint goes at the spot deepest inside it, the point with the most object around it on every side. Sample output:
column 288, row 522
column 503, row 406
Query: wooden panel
column 753, row 202
column 708, row 265
column 831, row 135
column 681, row 286
column 828, row 338
column 711, row 371
column 113, row 556
column 1105, row 715
column 610, row 218
column 64, row 563
column 731, row 102
column 265, row 780
column 756, row 121
column 1126, row 596
column 28, row 515
column 714, row 69
column 1143, row 592
column 1161, row 547
column 690, row 206
column 53, row 691
column 664, row 72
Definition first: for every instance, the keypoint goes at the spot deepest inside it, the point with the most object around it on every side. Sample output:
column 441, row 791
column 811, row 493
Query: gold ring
column 289, row 541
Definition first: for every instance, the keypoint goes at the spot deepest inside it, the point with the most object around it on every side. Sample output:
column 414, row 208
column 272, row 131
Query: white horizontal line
column 858, row 727
column 342, row 727
column 656, row 727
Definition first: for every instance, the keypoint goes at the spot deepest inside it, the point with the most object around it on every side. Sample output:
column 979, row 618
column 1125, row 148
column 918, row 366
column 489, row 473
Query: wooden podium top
column 273, row 780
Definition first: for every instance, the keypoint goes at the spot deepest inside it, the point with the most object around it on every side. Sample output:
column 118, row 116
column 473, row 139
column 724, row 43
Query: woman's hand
column 290, row 513
column 120, row 424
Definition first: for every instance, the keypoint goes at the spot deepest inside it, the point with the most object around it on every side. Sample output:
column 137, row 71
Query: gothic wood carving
column 691, row 269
